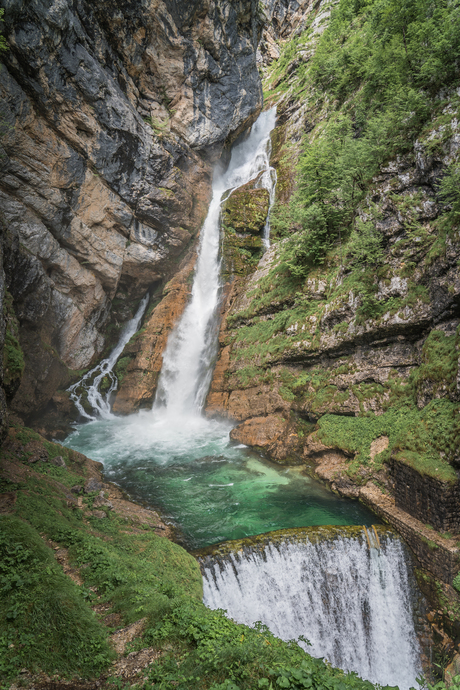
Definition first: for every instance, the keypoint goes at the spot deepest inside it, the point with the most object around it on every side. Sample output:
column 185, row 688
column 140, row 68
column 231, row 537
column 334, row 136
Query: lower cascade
column 354, row 604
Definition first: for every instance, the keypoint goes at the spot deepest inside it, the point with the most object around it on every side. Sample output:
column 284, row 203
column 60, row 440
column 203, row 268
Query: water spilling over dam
column 353, row 603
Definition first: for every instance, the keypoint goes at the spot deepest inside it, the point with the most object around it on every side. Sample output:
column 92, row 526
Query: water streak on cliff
column 92, row 381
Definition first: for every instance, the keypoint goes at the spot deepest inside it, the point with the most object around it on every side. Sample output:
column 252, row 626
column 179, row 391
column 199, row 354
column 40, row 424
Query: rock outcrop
column 111, row 119
column 244, row 215
column 142, row 358
column 285, row 19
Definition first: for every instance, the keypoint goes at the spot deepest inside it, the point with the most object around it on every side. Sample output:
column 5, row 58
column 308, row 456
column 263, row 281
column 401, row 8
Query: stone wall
column 438, row 555
column 426, row 498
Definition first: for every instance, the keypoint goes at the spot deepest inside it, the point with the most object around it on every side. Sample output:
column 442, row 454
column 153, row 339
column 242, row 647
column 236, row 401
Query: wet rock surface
column 143, row 356
column 111, row 121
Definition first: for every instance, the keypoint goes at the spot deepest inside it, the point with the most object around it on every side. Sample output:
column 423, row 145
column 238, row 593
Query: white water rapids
column 352, row 603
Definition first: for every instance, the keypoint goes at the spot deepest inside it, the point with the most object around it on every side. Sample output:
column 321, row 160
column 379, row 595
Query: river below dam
column 174, row 459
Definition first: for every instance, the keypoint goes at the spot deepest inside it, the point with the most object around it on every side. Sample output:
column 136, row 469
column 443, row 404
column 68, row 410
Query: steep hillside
column 352, row 317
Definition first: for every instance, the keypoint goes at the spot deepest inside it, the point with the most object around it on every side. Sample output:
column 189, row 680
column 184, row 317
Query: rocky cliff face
column 3, row 425
column 285, row 19
column 111, row 118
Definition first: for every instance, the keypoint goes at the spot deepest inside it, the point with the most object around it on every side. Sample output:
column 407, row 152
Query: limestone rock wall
column 112, row 114
column 284, row 19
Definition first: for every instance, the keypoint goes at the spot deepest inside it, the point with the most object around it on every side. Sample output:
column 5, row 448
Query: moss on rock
column 13, row 357
column 246, row 209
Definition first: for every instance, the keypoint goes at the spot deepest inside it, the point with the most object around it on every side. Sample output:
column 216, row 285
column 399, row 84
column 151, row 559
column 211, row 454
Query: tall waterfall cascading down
column 352, row 603
column 91, row 381
column 192, row 347
column 174, row 458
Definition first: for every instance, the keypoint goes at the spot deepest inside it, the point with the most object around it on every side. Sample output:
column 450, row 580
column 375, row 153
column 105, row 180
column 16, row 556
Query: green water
column 208, row 488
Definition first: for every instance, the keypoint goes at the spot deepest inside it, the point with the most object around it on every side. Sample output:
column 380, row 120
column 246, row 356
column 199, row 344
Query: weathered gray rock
column 287, row 18
column 111, row 119
column 92, row 485
column 99, row 514
column 58, row 461
column 100, row 502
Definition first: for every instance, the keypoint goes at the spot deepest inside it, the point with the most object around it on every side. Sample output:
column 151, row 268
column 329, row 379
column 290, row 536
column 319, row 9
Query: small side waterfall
column 268, row 180
column 192, row 346
column 91, row 381
column 353, row 603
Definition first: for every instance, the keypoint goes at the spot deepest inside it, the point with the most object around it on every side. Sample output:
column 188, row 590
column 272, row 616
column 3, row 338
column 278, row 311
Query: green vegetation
column 45, row 622
column 3, row 43
column 456, row 583
column 160, row 128
column 121, row 367
column 427, row 438
column 374, row 85
column 449, row 189
column 415, row 437
column 213, row 652
column 243, row 219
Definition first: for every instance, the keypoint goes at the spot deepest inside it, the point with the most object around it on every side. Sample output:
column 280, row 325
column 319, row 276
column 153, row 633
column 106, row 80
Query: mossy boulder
column 246, row 210
column 240, row 254
column 244, row 215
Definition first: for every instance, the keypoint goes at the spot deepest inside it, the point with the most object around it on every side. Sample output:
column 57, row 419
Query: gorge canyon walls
column 111, row 121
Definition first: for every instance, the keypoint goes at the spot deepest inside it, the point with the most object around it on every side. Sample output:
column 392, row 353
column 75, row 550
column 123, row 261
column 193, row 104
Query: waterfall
column 268, row 179
column 91, row 381
column 353, row 603
column 192, row 346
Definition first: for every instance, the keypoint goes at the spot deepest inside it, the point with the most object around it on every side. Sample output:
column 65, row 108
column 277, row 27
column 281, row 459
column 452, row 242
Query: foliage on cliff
column 382, row 70
column 354, row 314
column 3, row 44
